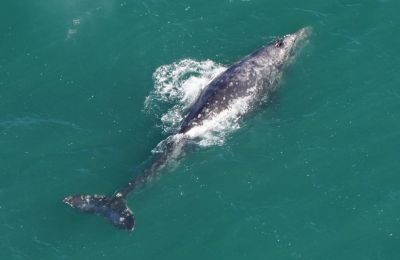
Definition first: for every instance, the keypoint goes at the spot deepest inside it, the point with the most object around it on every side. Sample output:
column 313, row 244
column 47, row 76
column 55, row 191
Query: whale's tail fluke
column 113, row 208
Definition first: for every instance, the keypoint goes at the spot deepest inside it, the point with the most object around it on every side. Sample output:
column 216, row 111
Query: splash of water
column 177, row 86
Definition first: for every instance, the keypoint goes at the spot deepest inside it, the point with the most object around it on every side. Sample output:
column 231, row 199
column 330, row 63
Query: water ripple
column 32, row 121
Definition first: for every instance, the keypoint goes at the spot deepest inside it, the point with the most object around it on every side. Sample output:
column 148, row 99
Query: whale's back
column 248, row 77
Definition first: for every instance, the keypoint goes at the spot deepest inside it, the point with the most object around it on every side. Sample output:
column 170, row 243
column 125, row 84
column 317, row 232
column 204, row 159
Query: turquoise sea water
column 313, row 175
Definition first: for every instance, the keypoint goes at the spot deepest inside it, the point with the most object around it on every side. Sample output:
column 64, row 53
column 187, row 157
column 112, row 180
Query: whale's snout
column 286, row 48
column 292, row 41
column 304, row 33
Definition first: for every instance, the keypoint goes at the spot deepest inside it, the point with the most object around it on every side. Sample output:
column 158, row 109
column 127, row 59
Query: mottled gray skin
column 255, row 76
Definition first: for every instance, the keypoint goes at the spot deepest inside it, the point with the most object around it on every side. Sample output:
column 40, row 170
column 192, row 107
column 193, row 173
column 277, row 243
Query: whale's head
column 282, row 51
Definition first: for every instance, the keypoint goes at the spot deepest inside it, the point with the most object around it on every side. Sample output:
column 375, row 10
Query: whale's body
column 247, row 82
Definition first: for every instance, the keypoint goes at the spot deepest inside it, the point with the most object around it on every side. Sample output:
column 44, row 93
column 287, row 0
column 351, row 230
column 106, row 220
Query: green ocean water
column 312, row 175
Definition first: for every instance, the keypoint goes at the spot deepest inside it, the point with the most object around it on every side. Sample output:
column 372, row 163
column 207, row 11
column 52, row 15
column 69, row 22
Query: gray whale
column 252, row 78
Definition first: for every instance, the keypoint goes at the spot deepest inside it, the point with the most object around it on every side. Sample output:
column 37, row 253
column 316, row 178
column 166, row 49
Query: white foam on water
column 177, row 86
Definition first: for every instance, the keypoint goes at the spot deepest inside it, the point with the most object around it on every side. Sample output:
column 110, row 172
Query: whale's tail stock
column 112, row 208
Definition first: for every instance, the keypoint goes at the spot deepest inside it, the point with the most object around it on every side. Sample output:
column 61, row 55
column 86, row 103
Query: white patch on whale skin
column 213, row 130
